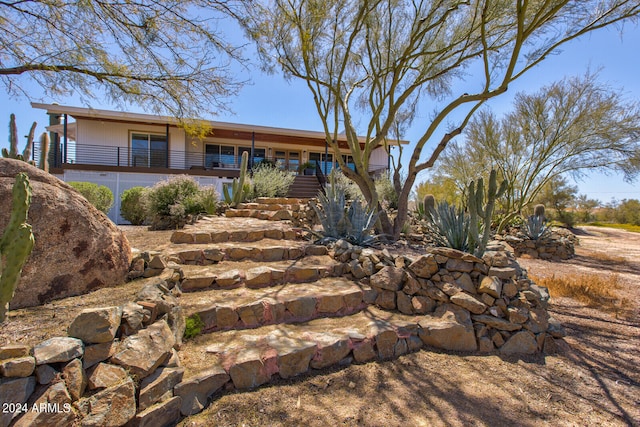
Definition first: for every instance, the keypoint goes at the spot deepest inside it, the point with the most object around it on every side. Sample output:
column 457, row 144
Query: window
column 259, row 154
column 220, row 156
column 326, row 163
column 348, row 160
column 149, row 150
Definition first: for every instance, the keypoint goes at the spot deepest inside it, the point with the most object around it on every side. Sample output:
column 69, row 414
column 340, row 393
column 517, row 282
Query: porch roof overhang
column 219, row 129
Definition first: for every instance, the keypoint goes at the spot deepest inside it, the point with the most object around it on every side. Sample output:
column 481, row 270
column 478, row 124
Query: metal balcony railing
column 101, row 155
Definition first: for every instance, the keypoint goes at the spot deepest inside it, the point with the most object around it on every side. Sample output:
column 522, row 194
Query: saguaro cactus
column 43, row 163
column 237, row 187
column 480, row 211
column 16, row 242
column 426, row 207
column 13, row 141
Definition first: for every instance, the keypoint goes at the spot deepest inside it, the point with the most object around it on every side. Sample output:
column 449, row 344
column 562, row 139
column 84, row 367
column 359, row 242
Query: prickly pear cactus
column 16, row 243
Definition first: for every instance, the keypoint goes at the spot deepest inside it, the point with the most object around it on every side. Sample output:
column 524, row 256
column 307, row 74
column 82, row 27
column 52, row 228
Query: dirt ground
column 593, row 380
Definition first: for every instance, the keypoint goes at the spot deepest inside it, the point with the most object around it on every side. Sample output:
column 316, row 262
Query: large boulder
column 77, row 248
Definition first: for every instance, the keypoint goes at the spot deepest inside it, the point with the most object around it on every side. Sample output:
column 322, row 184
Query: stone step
column 264, row 251
column 283, row 200
column 268, row 215
column 233, row 274
column 244, row 308
column 270, row 206
column 220, row 229
column 253, row 357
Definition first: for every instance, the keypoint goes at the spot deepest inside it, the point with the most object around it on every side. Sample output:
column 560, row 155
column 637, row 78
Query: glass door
column 287, row 160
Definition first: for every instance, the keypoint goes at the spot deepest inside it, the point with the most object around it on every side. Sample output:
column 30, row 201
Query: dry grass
column 607, row 259
column 594, row 290
column 627, row 227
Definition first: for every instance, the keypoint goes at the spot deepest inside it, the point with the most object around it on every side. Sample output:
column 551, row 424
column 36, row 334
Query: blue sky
column 271, row 101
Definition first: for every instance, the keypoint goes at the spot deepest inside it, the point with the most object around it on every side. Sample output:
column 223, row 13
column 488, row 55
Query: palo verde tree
column 166, row 56
column 567, row 128
column 369, row 63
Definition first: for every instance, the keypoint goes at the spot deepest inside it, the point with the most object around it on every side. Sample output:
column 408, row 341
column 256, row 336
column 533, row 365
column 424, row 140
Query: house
column 122, row 150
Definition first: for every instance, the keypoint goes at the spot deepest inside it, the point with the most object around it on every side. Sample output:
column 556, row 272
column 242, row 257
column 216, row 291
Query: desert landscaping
column 588, row 377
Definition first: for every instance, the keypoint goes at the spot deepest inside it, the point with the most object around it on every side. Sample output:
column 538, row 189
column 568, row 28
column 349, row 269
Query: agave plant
column 535, row 227
column 449, row 226
column 354, row 224
column 360, row 224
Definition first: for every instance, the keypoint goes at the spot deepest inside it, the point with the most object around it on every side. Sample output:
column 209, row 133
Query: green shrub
column 350, row 188
column 205, row 200
column 269, row 181
column 386, row 192
column 99, row 196
column 193, row 326
column 132, row 205
column 172, row 203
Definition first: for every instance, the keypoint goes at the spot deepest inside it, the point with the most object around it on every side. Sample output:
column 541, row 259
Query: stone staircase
column 304, row 187
column 270, row 304
column 272, row 209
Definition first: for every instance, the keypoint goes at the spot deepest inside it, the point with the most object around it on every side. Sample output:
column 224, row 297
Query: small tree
column 384, row 58
column 168, row 56
column 566, row 128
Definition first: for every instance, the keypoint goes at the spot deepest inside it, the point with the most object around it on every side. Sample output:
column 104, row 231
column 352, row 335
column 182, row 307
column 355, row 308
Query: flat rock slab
column 264, row 250
column 252, row 357
column 58, row 349
column 245, row 307
column 217, row 229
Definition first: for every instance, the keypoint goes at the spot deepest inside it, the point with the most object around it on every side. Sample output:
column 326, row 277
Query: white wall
column 118, row 182
column 378, row 159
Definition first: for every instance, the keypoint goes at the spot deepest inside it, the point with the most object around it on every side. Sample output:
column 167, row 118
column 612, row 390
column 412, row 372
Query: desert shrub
column 132, row 205
column 205, row 200
column 386, row 192
column 350, row 188
column 628, row 212
column 172, row 203
column 99, row 196
column 567, row 218
column 193, row 326
column 269, row 181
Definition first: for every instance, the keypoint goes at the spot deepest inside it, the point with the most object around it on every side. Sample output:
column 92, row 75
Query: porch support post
column 166, row 152
column 66, row 137
column 253, row 149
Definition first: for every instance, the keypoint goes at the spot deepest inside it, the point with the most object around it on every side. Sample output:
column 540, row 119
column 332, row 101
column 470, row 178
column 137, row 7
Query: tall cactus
column 45, row 141
column 12, row 153
column 237, row 187
column 424, row 208
column 16, row 242
column 480, row 211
